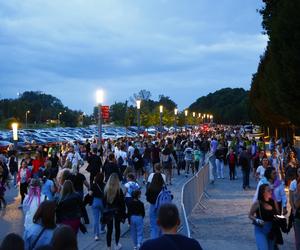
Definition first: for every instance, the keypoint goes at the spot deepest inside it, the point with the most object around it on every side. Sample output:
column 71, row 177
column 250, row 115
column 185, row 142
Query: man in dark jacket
column 94, row 166
column 244, row 160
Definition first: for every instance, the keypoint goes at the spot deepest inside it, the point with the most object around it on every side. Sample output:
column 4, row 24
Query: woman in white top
column 31, row 202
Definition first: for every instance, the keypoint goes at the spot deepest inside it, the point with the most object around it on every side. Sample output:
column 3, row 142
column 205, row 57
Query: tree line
column 275, row 88
column 227, row 105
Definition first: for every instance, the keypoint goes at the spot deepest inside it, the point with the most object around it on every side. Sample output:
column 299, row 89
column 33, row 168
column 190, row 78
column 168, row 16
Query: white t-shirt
column 261, row 171
column 127, row 186
column 151, row 177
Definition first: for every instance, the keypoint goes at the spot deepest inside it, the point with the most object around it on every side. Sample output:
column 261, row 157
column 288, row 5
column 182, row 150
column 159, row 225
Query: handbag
column 254, row 222
column 108, row 215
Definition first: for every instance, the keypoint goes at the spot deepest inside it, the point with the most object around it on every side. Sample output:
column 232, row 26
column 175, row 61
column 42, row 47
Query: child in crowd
column 136, row 214
column 130, row 186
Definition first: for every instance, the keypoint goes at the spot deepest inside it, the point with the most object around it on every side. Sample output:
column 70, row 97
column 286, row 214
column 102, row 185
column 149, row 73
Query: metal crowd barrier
column 192, row 194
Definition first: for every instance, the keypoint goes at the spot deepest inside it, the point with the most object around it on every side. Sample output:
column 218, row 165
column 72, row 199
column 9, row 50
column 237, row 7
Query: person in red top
column 232, row 160
column 37, row 163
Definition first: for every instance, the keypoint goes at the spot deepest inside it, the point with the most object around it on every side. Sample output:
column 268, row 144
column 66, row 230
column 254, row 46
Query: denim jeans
column 97, row 207
column 261, row 237
column 297, row 233
column 220, row 168
column 136, row 229
column 154, row 229
column 202, row 159
column 212, row 167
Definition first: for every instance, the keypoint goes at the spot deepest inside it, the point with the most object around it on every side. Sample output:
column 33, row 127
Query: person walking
column 41, row 232
column 68, row 211
column 169, row 222
column 232, row 160
column 167, row 162
column 114, row 209
column 31, row 202
column 94, row 164
column 136, row 214
column 23, row 178
column 110, row 167
column 97, row 192
column 262, row 213
column 153, row 190
column 244, row 160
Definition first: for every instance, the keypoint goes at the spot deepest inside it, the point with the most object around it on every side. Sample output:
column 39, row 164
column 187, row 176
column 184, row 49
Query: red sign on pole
column 105, row 112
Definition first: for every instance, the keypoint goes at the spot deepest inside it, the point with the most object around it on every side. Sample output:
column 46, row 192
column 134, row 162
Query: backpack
column 197, row 155
column 120, row 161
column 165, row 197
column 133, row 187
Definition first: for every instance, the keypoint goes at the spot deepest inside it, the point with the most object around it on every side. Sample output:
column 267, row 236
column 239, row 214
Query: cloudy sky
column 180, row 48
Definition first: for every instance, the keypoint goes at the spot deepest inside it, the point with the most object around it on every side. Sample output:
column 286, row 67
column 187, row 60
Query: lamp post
column 175, row 119
column 138, row 107
column 194, row 118
column 14, row 126
column 26, row 116
column 58, row 117
column 185, row 114
column 161, row 109
column 99, row 99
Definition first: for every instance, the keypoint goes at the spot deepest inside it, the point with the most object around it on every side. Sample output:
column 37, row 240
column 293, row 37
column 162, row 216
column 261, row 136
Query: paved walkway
column 225, row 224
column 12, row 218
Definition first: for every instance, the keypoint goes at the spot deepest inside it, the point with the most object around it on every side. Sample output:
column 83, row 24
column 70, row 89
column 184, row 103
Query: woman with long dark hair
column 152, row 193
column 68, row 211
column 97, row 192
column 262, row 214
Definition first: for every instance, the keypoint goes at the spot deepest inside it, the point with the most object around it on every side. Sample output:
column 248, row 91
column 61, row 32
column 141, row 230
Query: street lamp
column 186, row 114
column 14, row 127
column 175, row 119
column 26, row 116
column 138, row 106
column 58, row 117
column 161, row 108
column 99, row 99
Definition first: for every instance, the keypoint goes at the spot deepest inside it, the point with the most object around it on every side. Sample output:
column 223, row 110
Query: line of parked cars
column 32, row 137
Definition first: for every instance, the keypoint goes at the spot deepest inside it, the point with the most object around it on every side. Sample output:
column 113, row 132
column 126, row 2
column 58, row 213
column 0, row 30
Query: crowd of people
column 54, row 191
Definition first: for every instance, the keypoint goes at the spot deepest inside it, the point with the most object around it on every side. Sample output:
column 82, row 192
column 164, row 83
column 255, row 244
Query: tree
column 275, row 87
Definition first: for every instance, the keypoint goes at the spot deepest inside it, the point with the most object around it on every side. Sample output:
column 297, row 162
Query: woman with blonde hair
column 114, row 209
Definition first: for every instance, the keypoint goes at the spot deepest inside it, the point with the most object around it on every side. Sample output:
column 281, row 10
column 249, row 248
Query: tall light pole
column 58, row 117
column 194, row 117
column 185, row 119
column 99, row 99
column 175, row 119
column 26, row 116
column 138, row 107
column 161, row 109
column 14, row 127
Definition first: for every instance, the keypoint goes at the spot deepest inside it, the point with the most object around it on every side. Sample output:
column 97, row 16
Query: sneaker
column 96, row 238
column 119, row 246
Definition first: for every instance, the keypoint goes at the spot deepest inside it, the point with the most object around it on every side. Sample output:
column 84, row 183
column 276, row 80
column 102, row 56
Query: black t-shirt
column 78, row 181
column 171, row 241
column 98, row 190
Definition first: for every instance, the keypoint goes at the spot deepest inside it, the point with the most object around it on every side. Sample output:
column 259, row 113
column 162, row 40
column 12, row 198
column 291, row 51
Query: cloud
column 69, row 48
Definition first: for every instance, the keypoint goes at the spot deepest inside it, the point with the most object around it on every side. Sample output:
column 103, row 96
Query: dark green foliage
column 229, row 106
column 275, row 89
column 42, row 107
